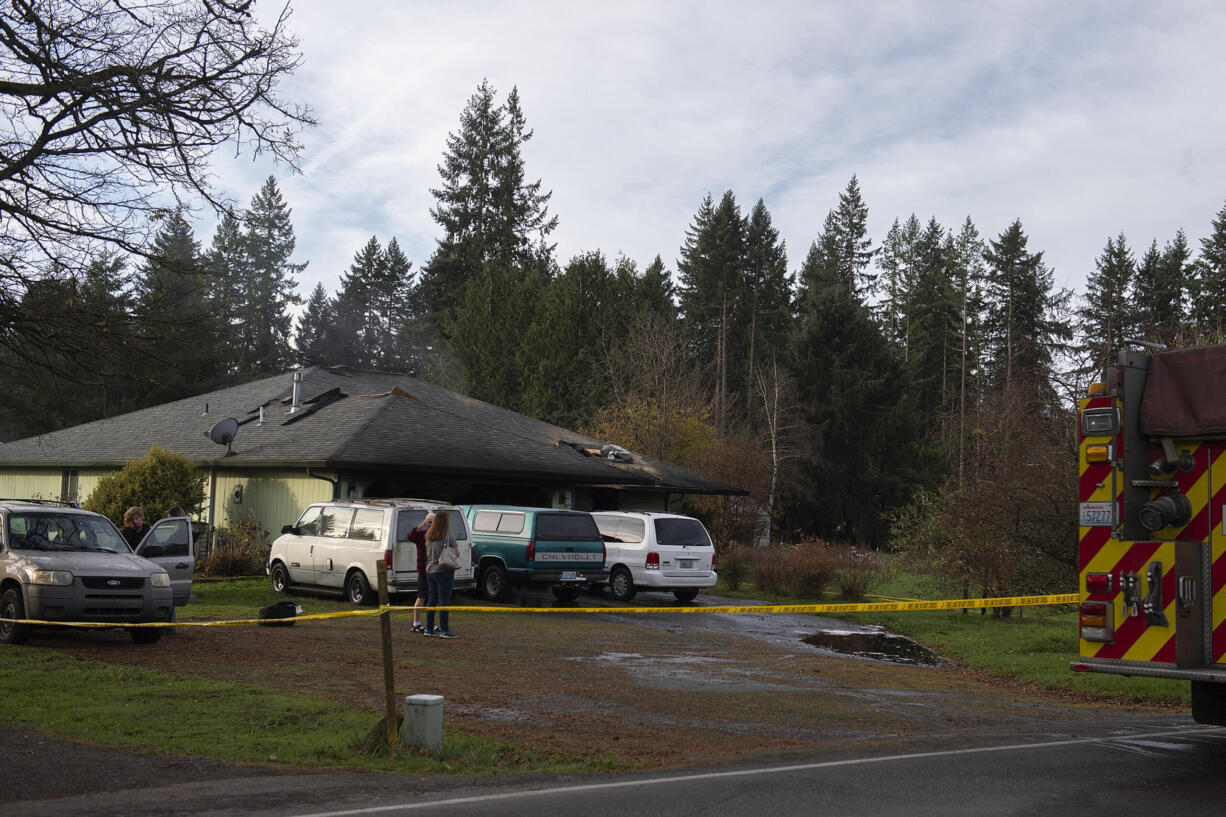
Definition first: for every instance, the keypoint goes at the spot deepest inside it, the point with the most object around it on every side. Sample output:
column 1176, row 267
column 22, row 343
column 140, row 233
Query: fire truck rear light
column 1095, row 620
column 1099, row 422
column 1099, row 582
column 1098, row 453
column 1096, row 390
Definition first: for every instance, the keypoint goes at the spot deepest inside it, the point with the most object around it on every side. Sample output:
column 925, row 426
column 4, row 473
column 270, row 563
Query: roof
column 354, row 420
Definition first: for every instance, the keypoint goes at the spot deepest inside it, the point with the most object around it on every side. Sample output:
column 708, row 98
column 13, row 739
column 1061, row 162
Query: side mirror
column 150, row 551
column 290, row 529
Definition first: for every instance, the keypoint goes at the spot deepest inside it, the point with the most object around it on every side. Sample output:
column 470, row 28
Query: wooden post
column 389, row 674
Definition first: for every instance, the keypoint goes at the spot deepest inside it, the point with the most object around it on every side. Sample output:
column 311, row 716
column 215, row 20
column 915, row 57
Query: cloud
column 1081, row 119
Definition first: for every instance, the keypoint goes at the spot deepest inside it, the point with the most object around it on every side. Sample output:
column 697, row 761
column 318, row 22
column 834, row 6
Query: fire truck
column 1152, row 494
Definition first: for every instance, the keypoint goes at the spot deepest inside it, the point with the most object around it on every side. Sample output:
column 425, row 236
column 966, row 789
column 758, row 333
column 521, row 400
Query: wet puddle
column 877, row 645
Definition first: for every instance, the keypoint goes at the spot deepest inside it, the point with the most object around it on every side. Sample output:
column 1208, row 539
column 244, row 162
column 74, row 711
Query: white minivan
column 645, row 550
column 336, row 547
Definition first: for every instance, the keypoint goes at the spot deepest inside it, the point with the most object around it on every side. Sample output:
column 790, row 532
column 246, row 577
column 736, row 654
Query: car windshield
column 681, row 532
column 63, row 531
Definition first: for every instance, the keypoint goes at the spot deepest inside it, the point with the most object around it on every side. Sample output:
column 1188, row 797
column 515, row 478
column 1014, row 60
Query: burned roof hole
column 879, row 646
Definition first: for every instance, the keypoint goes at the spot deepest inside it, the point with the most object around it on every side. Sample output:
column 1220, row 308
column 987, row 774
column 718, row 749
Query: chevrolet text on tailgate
column 1152, row 522
column 535, row 547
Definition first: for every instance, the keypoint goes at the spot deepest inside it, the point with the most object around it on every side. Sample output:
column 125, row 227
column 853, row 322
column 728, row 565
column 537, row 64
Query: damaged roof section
column 344, row 419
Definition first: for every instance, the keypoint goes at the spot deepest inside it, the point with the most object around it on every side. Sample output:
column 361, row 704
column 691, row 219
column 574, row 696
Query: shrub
column 855, row 570
column 158, row 481
column 733, row 565
column 770, row 570
column 239, row 550
column 810, row 569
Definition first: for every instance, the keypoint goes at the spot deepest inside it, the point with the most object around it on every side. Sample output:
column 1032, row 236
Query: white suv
column 336, row 547
column 656, row 551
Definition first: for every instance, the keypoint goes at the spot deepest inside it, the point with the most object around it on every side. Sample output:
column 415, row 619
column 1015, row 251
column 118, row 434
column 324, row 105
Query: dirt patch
column 656, row 692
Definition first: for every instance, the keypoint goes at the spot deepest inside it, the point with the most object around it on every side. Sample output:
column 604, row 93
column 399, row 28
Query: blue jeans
column 439, row 585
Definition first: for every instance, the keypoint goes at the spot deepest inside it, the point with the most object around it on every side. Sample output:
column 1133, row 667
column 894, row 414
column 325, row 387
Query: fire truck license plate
column 1097, row 514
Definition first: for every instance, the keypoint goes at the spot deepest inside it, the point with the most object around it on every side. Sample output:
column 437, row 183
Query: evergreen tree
column 263, row 311
column 181, row 335
column 1209, row 284
column 315, row 338
column 654, row 291
column 227, row 266
column 969, row 273
column 578, row 319
column 488, row 212
column 768, row 301
column 712, row 289
column 1024, row 321
column 1170, row 290
column 859, row 409
column 934, row 319
column 1109, row 317
column 897, row 281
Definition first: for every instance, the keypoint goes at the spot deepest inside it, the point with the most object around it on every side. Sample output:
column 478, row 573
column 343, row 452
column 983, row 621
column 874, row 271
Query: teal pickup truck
column 535, row 547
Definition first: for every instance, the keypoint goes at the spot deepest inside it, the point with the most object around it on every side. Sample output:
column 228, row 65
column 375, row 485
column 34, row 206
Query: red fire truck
column 1153, row 522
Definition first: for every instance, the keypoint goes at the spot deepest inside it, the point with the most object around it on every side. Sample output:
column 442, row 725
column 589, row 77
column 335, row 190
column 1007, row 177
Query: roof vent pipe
column 261, row 422
column 296, row 402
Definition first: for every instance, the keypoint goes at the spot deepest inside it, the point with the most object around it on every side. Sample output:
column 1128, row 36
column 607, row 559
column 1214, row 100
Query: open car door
column 169, row 543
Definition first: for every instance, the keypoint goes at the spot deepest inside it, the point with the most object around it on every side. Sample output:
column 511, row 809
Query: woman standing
column 441, row 579
column 418, row 537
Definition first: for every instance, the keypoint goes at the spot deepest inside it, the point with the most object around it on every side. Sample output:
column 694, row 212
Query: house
column 272, row 446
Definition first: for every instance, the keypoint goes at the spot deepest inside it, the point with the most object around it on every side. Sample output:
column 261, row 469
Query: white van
column 656, row 551
column 336, row 547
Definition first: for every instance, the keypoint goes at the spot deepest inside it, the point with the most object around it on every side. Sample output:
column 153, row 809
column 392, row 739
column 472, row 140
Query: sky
column 1084, row 120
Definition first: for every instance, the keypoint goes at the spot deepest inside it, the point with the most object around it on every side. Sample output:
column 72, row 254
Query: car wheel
column 280, row 578
column 621, row 584
column 357, row 589
column 495, row 584
column 566, row 593
column 686, row 595
column 11, row 610
column 145, row 635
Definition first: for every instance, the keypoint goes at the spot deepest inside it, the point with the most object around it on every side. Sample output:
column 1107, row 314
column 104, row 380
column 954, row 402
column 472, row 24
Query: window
column 69, row 485
column 308, row 523
column 574, row 527
column 496, row 522
column 367, row 525
column 616, row 529
column 511, row 523
column 406, row 521
column 173, row 536
column 681, row 532
column 457, row 525
column 334, row 522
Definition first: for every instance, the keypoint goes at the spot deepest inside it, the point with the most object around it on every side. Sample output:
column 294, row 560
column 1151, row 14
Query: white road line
column 657, row 781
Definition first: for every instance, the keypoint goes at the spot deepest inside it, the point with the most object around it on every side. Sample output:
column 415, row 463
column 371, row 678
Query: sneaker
column 417, row 628
column 430, row 633
column 446, row 634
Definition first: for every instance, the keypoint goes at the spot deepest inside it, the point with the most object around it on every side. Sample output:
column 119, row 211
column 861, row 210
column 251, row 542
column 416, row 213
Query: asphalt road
column 1133, row 767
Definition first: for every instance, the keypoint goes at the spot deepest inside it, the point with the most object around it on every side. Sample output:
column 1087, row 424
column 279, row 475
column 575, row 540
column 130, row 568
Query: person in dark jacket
column 418, row 537
column 134, row 527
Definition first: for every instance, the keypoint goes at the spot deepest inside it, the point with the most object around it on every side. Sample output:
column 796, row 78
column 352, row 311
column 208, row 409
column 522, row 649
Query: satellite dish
column 223, row 433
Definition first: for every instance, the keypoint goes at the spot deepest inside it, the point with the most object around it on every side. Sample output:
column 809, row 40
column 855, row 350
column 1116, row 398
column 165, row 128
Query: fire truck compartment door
column 1192, row 643
column 1214, row 590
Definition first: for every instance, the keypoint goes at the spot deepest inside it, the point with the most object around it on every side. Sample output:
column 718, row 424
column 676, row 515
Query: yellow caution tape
column 867, row 607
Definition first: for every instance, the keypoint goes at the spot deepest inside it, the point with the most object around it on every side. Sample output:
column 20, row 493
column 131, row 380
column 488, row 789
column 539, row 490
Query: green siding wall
column 271, row 498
